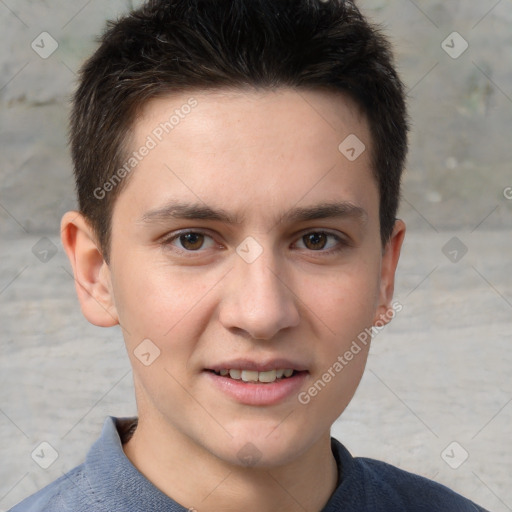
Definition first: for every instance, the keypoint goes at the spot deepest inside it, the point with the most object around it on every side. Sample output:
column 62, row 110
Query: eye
column 190, row 241
column 319, row 241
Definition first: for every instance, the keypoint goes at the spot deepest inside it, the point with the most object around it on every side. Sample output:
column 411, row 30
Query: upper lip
column 258, row 366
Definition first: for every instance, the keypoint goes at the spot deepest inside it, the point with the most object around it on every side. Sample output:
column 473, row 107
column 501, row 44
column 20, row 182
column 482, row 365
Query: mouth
column 261, row 384
column 256, row 377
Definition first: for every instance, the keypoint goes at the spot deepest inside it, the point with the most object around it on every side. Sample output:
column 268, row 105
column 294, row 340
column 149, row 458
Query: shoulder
column 410, row 491
column 69, row 492
column 94, row 485
column 373, row 485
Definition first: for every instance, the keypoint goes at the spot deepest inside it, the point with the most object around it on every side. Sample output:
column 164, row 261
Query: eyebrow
column 198, row 211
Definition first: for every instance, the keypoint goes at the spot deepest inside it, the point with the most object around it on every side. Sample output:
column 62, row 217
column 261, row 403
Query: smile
column 266, row 377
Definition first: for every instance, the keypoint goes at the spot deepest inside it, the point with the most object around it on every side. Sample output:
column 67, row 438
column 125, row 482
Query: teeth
column 235, row 374
column 254, row 376
column 249, row 376
column 269, row 376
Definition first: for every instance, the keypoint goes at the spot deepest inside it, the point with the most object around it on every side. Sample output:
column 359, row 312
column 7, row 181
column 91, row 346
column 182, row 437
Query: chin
column 265, row 446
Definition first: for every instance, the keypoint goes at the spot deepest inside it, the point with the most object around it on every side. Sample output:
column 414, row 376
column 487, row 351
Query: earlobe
column 390, row 258
column 91, row 272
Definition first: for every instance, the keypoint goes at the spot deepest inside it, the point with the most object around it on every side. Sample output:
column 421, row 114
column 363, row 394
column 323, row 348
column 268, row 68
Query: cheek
column 345, row 307
column 343, row 300
column 157, row 301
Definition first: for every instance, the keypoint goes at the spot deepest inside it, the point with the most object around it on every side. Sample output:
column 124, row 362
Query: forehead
column 251, row 151
column 228, row 116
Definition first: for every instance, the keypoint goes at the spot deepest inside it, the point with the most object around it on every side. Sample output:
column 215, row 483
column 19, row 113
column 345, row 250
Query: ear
column 390, row 257
column 91, row 272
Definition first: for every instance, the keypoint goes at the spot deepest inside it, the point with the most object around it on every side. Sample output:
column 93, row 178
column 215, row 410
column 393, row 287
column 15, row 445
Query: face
column 246, row 243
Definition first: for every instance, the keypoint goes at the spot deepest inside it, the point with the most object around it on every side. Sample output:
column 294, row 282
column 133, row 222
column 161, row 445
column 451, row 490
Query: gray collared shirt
column 108, row 482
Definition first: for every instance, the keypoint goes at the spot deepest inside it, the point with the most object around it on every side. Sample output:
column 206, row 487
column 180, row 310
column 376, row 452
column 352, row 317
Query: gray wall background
column 440, row 373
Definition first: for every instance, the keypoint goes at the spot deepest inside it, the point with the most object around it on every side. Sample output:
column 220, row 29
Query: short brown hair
column 175, row 46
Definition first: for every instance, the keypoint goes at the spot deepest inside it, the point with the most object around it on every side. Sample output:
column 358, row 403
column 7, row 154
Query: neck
column 196, row 479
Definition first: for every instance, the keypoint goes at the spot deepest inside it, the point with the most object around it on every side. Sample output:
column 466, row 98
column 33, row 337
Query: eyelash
column 341, row 243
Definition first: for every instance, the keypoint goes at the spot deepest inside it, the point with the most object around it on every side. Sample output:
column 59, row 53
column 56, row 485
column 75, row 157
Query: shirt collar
column 114, row 478
column 122, row 487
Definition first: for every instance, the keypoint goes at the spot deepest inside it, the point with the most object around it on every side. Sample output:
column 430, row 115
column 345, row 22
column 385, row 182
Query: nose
column 258, row 299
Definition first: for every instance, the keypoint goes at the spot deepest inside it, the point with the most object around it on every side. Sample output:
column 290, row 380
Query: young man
column 238, row 170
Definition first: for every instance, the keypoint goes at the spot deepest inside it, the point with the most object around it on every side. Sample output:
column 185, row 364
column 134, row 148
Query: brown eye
column 315, row 241
column 322, row 242
column 192, row 241
column 187, row 242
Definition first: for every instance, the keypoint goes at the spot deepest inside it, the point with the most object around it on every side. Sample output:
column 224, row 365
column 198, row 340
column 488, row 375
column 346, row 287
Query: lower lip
column 251, row 393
